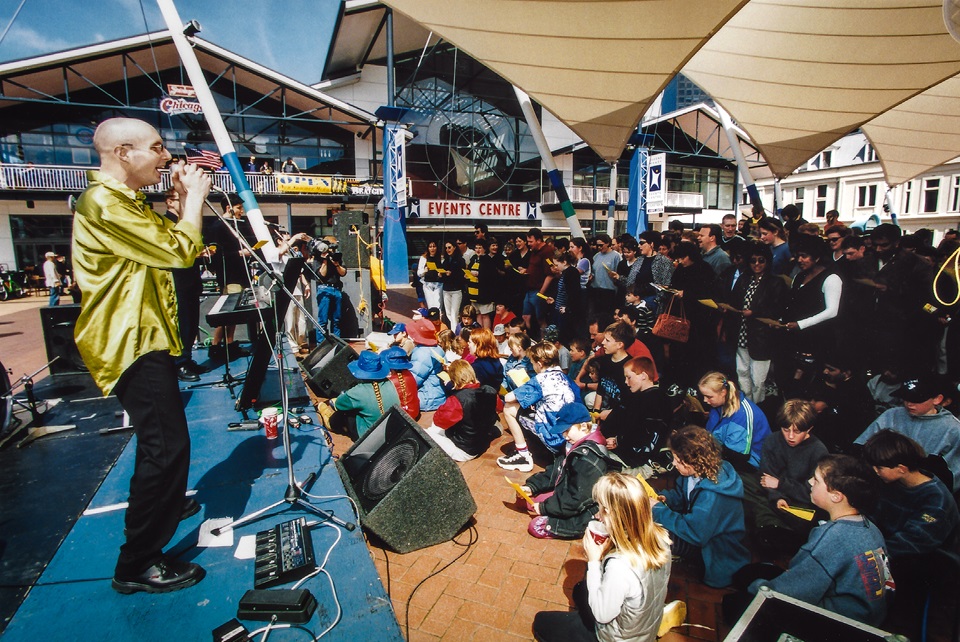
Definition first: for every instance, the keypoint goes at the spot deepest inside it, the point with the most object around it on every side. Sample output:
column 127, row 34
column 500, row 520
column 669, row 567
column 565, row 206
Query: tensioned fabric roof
column 797, row 75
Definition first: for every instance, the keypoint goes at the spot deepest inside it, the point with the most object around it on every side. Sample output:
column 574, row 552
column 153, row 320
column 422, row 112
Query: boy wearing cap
column 371, row 396
column 397, row 359
column 563, row 492
column 500, row 334
column 401, row 339
column 922, row 419
column 466, row 423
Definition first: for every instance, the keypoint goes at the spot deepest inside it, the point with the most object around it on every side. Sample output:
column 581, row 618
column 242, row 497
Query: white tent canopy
column 797, row 75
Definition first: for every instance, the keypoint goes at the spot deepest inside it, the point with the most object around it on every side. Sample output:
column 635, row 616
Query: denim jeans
column 328, row 309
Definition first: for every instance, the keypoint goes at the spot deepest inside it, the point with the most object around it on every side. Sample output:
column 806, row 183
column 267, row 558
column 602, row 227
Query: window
column 798, row 199
column 867, row 196
column 931, row 194
column 870, row 155
column 825, row 159
column 822, row 200
column 907, row 196
column 955, row 195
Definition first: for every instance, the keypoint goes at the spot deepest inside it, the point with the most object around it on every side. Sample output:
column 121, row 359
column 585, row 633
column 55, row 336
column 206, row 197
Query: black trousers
column 568, row 626
column 188, row 287
column 148, row 390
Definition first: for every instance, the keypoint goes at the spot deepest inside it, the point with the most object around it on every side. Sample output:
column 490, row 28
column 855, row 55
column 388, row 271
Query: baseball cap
column 917, row 389
column 570, row 415
column 499, row 330
column 397, row 329
column 433, row 314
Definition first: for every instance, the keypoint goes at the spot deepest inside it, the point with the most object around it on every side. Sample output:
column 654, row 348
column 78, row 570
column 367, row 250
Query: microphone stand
column 293, row 496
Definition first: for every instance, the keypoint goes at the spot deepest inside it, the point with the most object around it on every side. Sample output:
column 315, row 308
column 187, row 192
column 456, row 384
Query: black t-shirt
column 612, row 384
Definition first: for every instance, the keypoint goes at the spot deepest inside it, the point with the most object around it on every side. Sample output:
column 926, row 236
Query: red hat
column 422, row 332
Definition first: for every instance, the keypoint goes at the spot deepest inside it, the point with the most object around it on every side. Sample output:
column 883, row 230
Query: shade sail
column 596, row 66
column 797, row 75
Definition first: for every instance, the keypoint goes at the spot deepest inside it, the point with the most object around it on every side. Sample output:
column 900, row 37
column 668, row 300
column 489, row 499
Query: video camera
column 319, row 246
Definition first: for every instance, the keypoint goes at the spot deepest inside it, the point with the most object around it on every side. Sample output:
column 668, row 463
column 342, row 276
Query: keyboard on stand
column 236, row 309
column 283, row 554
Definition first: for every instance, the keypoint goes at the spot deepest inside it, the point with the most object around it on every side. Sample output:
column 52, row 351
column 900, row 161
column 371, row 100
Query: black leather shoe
column 190, row 508
column 194, row 367
column 216, row 353
column 163, row 577
column 235, row 351
column 183, row 374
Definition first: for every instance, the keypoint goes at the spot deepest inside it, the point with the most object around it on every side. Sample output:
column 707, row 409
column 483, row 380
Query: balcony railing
column 64, row 178
column 601, row 196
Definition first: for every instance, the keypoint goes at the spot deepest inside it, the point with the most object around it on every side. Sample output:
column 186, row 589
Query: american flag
column 203, row 158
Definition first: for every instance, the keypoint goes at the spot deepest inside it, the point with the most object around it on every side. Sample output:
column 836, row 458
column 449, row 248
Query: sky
column 289, row 36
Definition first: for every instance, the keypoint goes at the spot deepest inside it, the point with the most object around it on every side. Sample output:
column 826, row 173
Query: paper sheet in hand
column 518, row 376
column 770, row 322
column 519, row 490
column 710, row 303
column 802, row 513
column 648, row 488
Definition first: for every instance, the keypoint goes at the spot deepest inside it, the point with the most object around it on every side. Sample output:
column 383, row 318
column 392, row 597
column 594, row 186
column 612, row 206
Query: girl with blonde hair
column 737, row 423
column 627, row 575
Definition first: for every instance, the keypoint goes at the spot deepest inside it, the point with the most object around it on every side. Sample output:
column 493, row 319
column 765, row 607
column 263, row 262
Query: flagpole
column 220, row 135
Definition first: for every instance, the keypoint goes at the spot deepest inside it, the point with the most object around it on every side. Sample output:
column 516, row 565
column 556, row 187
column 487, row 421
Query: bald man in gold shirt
column 127, row 334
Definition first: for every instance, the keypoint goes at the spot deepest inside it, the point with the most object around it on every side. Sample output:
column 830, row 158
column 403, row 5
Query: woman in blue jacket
column 704, row 511
column 737, row 423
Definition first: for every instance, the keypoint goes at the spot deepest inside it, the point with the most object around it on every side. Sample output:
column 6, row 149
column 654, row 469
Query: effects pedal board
column 283, row 554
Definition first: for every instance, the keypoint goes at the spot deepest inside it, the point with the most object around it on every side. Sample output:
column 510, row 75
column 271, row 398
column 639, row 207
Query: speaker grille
column 389, row 468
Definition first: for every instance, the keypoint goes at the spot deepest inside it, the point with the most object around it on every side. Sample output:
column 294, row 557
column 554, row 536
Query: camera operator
column 329, row 269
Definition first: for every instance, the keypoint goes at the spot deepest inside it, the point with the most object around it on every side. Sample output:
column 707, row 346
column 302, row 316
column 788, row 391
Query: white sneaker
column 521, row 461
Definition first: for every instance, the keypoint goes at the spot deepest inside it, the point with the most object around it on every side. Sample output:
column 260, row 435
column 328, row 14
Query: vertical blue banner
column 395, row 268
column 637, row 202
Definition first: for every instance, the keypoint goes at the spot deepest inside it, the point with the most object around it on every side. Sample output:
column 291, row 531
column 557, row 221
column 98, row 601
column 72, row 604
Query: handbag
column 675, row 328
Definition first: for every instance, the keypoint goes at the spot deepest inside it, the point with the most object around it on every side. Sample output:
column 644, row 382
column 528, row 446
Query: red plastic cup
column 269, row 419
column 598, row 531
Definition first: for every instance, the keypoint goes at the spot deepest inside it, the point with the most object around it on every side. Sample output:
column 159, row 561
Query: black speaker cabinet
column 346, row 226
column 58, row 324
column 326, row 367
column 772, row 617
column 410, row 493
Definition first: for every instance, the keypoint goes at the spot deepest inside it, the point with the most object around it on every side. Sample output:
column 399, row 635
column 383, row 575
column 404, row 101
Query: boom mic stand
column 293, row 496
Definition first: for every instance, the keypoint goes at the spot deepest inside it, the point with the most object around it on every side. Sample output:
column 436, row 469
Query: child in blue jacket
column 704, row 511
column 737, row 423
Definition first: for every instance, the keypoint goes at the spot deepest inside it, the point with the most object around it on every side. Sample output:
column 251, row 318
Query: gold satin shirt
column 123, row 252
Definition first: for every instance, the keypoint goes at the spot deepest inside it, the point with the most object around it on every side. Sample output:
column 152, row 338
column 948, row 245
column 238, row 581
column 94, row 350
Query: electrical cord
column 474, row 538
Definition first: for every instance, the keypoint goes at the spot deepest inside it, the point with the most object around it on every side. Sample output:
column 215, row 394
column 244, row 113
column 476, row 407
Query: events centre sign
column 490, row 210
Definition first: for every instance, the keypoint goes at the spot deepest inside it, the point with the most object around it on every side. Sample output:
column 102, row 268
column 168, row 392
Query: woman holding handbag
column 693, row 279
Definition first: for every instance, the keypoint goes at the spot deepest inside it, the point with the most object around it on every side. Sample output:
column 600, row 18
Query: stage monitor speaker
column 346, row 226
column 326, row 367
column 773, row 617
column 410, row 493
column 58, row 324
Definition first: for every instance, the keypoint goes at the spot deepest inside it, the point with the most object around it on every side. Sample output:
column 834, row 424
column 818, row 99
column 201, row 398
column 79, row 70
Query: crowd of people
column 815, row 385
column 806, row 409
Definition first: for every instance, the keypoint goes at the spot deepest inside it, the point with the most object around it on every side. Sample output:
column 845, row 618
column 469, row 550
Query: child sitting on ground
column 370, row 397
column 398, row 361
column 563, row 492
column 518, row 360
column 486, row 358
column 737, row 423
column 578, row 356
column 788, row 460
column 843, row 566
column 466, row 423
column 627, row 575
column 534, row 407
column 704, row 512
column 637, row 429
column 916, row 514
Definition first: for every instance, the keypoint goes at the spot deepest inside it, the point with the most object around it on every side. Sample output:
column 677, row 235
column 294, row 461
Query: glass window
column 931, row 194
column 821, row 201
column 955, row 194
column 907, row 196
